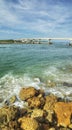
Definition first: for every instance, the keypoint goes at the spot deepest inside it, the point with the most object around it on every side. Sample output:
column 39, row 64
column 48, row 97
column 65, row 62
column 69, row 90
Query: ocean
column 42, row 66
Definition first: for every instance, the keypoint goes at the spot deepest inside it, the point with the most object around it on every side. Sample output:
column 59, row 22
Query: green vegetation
column 6, row 41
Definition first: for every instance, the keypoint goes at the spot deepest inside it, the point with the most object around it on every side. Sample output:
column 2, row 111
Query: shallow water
column 36, row 65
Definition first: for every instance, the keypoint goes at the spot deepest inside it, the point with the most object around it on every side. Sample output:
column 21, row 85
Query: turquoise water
column 35, row 64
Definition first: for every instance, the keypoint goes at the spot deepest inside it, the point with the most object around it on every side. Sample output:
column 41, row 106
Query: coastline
column 39, row 112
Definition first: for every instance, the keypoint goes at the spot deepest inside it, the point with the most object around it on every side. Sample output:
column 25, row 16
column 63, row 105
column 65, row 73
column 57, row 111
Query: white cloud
column 32, row 15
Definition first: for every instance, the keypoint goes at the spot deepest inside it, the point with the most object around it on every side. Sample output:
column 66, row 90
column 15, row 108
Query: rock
column 70, row 126
column 63, row 112
column 6, row 128
column 7, row 114
column 36, row 102
column 67, row 84
column 41, row 92
column 22, row 112
column 49, row 107
column 62, row 128
column 12, row 99
column 1, row 100
column 27, row 93
column 70, row 44
column 49, row 116
column 50, row 101
column 44, row 126
column 39, row 115
column 13, row 125
column 28, row 123
column 52, row 128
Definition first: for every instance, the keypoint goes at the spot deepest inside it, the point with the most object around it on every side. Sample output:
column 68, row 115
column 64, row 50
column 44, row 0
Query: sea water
column 23, row 65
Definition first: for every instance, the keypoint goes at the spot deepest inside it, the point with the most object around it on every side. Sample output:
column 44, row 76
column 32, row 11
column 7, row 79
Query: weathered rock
column 7, row 114
column 27, row 93
column 6, row 128
column 44, row 126
column 41, row 92
column 1, row 100
column 39, row 115
column 50, row 101
column 70, row 126
column 12, row 99
column 52, row 128
column 63, row 112
column 70, row 44
column 28, row 123
column 63, row 128
column 13, row 125
column 49, row 116
column 67, row 84
column 36, row 102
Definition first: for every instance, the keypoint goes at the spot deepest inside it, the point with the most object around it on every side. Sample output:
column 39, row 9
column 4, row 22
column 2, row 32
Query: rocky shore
column 39, row 112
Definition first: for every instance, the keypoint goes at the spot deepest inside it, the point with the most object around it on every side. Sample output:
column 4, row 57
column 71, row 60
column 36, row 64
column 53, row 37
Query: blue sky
column 35, row 18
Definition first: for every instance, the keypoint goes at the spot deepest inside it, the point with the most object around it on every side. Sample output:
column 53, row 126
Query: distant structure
column 41, row 40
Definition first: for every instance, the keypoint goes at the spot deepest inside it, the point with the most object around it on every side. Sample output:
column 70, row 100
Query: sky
column 35, row 18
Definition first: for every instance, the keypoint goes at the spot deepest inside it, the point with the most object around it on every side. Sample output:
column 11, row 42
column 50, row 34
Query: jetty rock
column 64, row 113
column 36, row 102
column 26, row 93
column 28, row 123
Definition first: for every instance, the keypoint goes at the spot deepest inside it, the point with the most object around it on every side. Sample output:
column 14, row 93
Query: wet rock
column 6, row 128
column 70, row 126
column 52, row 128
column 36, row 102
column 39, row 115
column 67, row 84
column 12, row 99
column 22, row 112
column 41, row 92
column 49, row 116
column 63, row 112
column 44, row 126
column 1, row 100
column 70, row 44
column 27, row 93
column 50, row 101
column 7, row 114
column 13, row 125
column 62, row 128
column 28, row 123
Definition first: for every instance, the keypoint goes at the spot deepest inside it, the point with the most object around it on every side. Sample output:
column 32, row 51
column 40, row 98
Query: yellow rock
column 37, row 113
column 36, row 102
column 50, row 101
column 28, row 123
column 63, row 111
column 27, row 93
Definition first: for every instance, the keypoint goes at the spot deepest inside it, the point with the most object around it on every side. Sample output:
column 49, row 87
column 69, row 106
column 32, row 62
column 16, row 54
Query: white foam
column 57, row 75
column 11, row 85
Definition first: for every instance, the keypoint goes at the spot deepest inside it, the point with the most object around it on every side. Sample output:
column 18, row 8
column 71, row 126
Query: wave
column 11, row 84
column 58, row 74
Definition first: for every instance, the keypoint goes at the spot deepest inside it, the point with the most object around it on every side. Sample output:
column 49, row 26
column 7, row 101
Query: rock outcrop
column 44, row 112
column 28, row 123
column 27, row 93
column 64, row 112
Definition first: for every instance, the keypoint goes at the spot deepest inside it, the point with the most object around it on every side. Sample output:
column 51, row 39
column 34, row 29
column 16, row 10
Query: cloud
column 42, row 16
